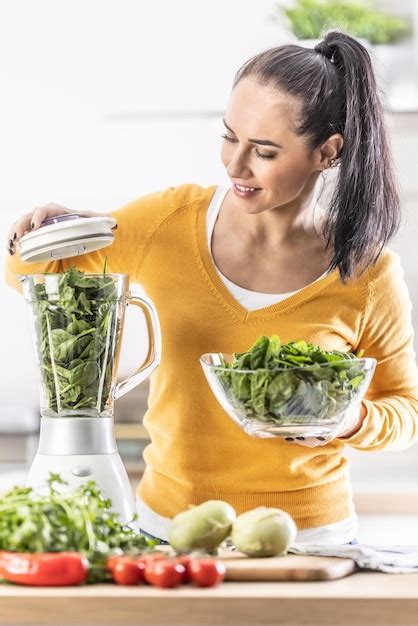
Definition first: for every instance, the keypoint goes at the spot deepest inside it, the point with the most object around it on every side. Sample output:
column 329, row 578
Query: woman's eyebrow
column 261, row 142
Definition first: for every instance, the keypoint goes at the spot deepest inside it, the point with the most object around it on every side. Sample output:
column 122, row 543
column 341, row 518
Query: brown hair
column 336, row 84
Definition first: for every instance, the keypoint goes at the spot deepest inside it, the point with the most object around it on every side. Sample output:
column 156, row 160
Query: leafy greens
column 80, row 520
column 76, row 326
column 291, row 383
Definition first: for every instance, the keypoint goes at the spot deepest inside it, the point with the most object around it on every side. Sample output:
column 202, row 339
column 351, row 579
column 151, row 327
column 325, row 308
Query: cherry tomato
column 112, row 560
column 152, row 556
column 144, row 559
column 206, row 572
column 164, row 572
column 127, row 571
column 184, row 559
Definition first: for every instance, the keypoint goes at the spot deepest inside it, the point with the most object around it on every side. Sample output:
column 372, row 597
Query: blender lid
column 66, row 236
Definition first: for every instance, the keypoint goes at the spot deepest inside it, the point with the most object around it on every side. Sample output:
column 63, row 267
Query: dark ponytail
column 338, row 90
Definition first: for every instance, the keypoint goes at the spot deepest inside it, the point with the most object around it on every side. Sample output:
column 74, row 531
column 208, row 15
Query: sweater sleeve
column 136, row 223
column 391, row 421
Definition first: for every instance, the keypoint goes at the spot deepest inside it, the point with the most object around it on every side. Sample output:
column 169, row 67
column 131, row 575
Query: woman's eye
column 264, row 156
column 231, row 139
column 259, row 154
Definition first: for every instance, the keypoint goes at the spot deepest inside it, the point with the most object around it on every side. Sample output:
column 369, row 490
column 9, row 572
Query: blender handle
column 153, row 358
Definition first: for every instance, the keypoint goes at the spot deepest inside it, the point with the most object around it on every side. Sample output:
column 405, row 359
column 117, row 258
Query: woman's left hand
column 350, row 425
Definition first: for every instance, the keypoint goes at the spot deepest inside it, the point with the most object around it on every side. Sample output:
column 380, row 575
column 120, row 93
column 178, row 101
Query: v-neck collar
column 223, row 293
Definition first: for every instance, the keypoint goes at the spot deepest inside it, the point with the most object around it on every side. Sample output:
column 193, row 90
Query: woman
column 224, row 266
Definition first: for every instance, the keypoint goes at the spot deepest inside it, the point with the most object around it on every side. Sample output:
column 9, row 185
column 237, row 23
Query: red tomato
column 184, row 559
column 152, row 556
column 127, row 571
column 141, row 567
column 115, row 558
column 144, row 559
column 164, row 572
column 206, row 572
column 112, row 560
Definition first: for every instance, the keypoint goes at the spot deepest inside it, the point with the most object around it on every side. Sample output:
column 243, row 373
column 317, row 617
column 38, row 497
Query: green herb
column 310, row 19
column 80, row 520
column 77, row 328
column 291, row 383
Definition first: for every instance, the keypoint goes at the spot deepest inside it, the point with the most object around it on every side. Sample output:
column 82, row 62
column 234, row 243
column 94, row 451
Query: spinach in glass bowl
column 287, row 389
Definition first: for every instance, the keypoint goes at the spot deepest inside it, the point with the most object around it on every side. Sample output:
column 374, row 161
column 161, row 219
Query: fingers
column 38, row 216
column 32, row 221
column 295, row 438
column 18, row 229
column 310, row 442
column 11, row 238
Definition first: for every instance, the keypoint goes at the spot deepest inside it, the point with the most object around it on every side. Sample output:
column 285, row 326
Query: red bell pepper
column 45, row 569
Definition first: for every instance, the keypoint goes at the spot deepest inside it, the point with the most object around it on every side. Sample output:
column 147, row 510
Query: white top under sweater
column 153, row 523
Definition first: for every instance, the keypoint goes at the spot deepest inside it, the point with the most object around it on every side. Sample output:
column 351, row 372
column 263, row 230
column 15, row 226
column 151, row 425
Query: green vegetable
column 263, row 532
column 310, row 19
column 77, row 329
column 204, row 526
column 291, row 383
column 80, row 521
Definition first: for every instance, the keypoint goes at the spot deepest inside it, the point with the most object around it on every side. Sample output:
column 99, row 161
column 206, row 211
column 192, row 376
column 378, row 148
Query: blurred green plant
column 310, row 19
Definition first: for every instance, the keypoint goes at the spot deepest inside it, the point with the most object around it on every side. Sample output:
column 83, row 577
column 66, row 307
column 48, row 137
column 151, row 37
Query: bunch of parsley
column 80, row 520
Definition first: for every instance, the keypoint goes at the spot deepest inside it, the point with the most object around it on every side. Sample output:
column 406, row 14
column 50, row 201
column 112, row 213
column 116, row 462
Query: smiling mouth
column 242, row 190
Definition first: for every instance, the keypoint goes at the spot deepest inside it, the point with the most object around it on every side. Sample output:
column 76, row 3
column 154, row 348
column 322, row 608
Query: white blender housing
column 77, row 325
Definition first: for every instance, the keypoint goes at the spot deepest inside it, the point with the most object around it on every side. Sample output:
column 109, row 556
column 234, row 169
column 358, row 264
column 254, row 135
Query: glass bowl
column 309, row 401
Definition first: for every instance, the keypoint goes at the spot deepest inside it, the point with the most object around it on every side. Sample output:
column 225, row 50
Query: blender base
column 107, row 470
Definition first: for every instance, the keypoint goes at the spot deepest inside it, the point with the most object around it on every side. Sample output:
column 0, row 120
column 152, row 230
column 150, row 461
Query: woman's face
column 261, row 150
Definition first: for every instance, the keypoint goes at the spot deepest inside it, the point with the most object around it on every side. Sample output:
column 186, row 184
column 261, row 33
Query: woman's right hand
column 33, row 220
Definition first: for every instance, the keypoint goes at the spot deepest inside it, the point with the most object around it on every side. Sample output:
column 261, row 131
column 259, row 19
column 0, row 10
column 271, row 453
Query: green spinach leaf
column 77, row 331
column 292, row 382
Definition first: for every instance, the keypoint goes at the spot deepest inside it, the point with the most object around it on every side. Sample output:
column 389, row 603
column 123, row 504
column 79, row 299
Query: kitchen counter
column 363, row 598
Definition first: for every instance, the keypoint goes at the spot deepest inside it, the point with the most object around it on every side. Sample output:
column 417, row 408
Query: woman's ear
column 329, row 151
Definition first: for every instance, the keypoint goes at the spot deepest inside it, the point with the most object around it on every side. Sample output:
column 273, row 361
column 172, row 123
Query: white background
column 102, row 101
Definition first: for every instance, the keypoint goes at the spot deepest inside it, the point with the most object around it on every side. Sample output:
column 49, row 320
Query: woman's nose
column 238, row 167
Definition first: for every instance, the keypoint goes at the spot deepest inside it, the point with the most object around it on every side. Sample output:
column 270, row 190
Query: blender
column 77, row 325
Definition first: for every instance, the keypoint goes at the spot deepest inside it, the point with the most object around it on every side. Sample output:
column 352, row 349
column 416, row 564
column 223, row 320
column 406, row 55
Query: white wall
column 104, row 100
column 77, row 79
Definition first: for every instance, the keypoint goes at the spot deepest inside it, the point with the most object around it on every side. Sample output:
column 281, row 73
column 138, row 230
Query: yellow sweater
column 196, row 451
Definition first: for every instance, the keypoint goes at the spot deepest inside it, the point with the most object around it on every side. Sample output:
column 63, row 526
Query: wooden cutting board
column 289, row 567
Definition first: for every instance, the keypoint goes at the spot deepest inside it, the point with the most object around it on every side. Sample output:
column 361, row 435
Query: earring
column 330, row 164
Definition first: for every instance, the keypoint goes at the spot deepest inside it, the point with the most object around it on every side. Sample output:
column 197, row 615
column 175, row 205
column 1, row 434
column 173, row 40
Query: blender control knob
column 82, row 470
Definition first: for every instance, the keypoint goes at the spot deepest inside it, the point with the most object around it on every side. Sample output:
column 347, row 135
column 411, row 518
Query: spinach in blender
column 76, row 332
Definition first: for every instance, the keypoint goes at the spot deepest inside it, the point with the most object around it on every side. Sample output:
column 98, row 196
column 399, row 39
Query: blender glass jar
column 77, row 324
